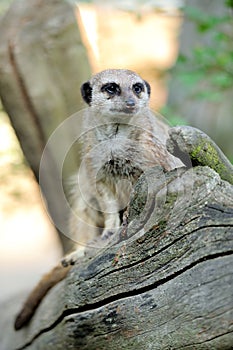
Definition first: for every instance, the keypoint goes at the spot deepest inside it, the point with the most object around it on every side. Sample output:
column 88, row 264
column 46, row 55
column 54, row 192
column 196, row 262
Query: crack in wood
column 142, row 261
column 150, row 256
column 212, row 226
column 220, row 209
column 124, row 295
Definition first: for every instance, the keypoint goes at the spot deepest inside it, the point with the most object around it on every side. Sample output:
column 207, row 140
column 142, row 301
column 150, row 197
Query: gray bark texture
column 164, row 281
column 43, row 63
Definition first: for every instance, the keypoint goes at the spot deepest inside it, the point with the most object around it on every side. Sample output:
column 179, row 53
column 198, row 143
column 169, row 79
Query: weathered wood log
column 165, row 281
column 43, row 63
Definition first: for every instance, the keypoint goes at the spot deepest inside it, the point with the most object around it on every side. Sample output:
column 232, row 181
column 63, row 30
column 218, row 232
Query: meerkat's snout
column 130, row 103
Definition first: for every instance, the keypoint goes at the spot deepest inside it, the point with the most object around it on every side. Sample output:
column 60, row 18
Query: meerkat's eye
column 111, row 88
column 138, row 88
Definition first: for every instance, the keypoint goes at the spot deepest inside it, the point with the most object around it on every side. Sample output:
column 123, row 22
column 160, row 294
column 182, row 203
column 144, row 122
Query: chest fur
column 119, row 152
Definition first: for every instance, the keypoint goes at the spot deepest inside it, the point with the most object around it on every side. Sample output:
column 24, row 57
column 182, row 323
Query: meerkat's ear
column 86, row 91
column 147, row 87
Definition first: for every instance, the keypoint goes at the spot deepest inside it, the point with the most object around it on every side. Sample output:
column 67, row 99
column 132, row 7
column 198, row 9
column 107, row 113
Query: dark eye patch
column 138, row 88
column 112, row 89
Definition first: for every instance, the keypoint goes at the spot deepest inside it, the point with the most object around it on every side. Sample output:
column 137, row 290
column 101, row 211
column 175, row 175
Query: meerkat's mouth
column 126, row 110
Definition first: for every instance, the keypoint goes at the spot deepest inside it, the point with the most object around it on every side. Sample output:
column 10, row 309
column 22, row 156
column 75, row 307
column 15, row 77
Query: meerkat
column 121, row 139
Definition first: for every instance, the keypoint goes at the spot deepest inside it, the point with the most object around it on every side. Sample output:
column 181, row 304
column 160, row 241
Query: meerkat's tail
column 49, row 280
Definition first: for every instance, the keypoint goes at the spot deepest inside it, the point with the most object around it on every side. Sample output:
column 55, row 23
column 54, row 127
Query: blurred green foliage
column 209, row 66
column 205, row 66
column 172, row 118
column 4, row 4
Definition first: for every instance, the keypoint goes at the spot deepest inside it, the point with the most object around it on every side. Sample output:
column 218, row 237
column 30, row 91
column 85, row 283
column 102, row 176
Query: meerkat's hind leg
column 98, row 241
column 71, row 258
column 81, row 246
column 84, row 227
column 78, row 252
column 89, row 250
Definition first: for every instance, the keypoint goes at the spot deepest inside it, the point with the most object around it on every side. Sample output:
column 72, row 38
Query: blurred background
column 184, row 49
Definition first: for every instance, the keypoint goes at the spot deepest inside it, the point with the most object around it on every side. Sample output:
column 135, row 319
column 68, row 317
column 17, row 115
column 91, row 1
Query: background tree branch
column 43, row 63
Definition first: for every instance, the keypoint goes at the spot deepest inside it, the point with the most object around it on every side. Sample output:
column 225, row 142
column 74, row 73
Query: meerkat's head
column 116, row 91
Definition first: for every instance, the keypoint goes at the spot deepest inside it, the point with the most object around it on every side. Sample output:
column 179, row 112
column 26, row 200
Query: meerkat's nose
column 130, row 103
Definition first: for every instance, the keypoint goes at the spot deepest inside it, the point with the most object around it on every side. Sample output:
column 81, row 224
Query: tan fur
column 117, row 147
column 49, row 280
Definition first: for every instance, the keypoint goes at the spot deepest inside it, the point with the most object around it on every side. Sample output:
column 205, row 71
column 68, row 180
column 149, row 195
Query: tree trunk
column 164, row 282
column 42, row 65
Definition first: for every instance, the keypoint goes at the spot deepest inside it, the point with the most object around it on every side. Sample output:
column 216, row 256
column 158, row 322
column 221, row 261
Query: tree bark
column 165, row 281
column 42, row 65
